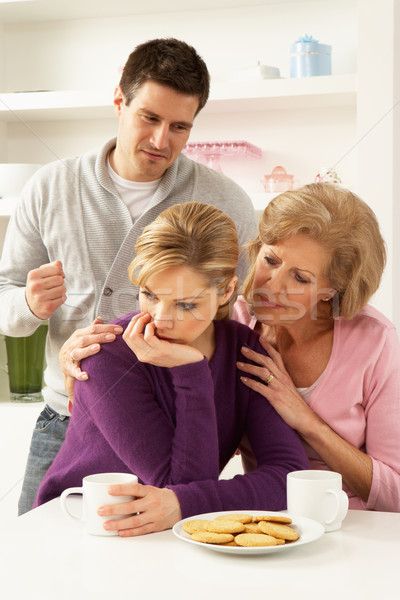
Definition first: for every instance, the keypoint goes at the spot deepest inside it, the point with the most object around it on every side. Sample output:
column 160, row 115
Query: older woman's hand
column 278, row 387
column 141, row 337
column 83, row 343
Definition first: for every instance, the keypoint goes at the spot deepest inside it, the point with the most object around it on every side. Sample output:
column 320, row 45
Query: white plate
column 308, row 530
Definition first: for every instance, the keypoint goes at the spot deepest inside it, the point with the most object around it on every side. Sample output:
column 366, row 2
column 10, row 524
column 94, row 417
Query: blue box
column 308, row 58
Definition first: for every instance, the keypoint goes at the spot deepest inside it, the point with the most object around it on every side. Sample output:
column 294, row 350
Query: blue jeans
column 47, row 438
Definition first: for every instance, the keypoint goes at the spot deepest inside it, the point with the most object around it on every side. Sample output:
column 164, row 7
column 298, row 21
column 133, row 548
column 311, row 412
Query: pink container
column 278, row 181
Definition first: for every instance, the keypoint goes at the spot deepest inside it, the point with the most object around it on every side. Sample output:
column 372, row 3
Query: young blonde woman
column 333, row 373
column 176, row 426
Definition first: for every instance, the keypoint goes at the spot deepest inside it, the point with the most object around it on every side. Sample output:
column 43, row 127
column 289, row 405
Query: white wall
column 378, row 145
column 86, row 54
column 3, row 128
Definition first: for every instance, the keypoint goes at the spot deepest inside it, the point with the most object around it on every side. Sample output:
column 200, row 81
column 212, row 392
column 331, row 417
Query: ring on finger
column 269, row 379
column 73, row 360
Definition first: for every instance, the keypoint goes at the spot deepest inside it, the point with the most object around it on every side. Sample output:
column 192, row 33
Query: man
column 71, row 239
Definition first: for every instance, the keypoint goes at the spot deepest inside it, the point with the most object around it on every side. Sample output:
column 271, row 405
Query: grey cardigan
column 70, row 211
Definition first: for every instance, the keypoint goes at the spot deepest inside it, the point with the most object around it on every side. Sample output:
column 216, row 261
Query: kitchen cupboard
column 60, row 64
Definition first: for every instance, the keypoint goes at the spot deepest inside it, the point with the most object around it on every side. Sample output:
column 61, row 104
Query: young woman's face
column 181, row 304
column 290, row 279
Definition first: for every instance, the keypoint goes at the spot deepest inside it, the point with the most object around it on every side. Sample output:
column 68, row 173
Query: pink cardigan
column 358, row 396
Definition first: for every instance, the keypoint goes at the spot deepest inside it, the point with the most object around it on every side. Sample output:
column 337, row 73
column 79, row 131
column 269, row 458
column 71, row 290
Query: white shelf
column 55, row 106
column 336, row 90
column 269, row 94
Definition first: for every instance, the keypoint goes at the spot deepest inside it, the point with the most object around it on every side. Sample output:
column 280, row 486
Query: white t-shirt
column 306, row 392
column 135, row 194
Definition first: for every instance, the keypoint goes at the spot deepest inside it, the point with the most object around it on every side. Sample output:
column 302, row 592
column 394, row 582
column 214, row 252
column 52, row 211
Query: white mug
column 317, row 495
column 95, row 494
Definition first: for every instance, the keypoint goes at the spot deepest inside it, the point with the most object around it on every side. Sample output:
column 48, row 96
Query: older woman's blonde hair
column 340, row 222
column 193, row 234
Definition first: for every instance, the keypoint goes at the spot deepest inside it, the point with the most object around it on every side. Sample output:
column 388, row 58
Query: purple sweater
column 177, row 428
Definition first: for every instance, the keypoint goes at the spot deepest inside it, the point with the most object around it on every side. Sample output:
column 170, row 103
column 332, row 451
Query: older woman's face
column 290, row 279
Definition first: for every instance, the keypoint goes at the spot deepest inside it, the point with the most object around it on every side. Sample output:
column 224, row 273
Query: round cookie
column 252, row 528
column 274, row 518
column 233, row 543
column 221, row 526
column 241, row 517
column 195, row 525
column 249, row 540
column 208, row 537
column 279, row 530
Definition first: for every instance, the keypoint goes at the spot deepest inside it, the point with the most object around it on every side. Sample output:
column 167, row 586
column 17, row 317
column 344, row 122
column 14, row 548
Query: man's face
column 152, row 131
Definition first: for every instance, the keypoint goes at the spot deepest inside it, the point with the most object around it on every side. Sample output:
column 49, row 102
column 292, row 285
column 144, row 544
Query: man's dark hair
column 170, row 62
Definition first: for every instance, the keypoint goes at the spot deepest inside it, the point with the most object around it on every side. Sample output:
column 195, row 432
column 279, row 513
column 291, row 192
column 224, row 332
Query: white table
column 44, row 555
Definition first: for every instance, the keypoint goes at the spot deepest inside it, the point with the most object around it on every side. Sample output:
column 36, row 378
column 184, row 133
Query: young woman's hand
column 153, row 509
column 277, row 387
column 140, row 336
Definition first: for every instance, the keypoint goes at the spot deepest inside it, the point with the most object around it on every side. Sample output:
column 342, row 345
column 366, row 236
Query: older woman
column 334, row 368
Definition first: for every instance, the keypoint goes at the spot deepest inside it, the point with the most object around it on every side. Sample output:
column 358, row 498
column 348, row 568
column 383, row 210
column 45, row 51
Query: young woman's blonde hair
column 340, row 222
column 193, row 234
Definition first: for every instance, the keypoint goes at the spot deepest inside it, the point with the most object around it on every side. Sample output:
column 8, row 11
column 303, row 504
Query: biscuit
column 209, row 537
column 232, row 543
column 274, row 518
column 242, row 518
column 252, row 528
column 257, row 539
column 195, row 525
column 225, row 526
column 279, row 530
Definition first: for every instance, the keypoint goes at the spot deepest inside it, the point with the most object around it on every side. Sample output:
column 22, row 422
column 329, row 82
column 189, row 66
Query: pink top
column 358, row 396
